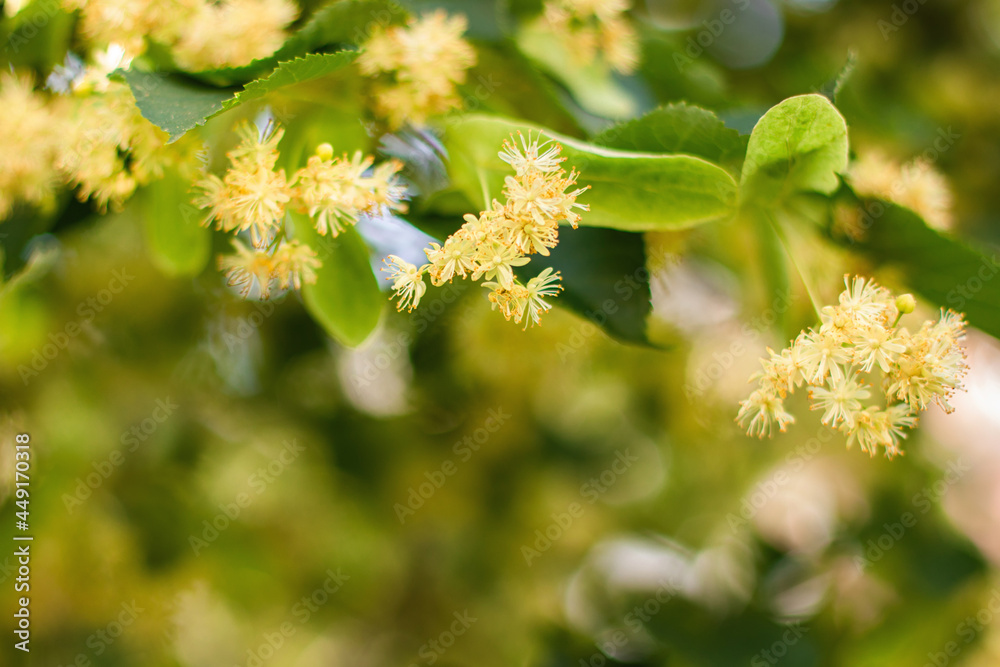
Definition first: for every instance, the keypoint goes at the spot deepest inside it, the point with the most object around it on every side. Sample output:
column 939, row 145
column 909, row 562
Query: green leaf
column 941, row 268
column 178, row 245
column 176, row 104
column 173, row 103
column 799, row 145
column 345, row 299
column 677, row 128
column 631, row 191
column 604, row 279
column 37, row 36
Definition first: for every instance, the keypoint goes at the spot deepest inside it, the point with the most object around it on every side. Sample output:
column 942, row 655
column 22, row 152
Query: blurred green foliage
column 586, row 501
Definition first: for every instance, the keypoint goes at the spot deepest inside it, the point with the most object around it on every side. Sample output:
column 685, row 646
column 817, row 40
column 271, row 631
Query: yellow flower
column 419, row 66
column 530, row 156
column 502, row 237
column 290, row 265
column 525, row 302
column 840, row 401
column 765, row 410
column 295, row 264
column 335, row 191
column 231, row 33
column 543, row 285
column 496, row 261
column 858, row 336
column 247, row 269
column 124, row 22
column 408, row 282
column 29, row 135
column 592, row 29
column 915, row 185
column 251, row 196
column 110, row 149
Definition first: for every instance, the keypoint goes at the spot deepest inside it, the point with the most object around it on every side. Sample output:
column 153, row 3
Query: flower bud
column 324, row 151
column 905, row 303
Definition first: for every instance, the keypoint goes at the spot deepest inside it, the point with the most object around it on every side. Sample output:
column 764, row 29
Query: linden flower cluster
column 231, row 33
column 30, row 142
column 915, row 185
column 203, row 34
column 110, row 149
column 419, row 67
column 489, row 246
column 592, row 28
column 254, row 197
column 858, row 341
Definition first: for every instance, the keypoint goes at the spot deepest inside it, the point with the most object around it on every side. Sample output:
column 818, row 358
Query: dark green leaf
column 677, row 128
column 176, row 104
column 604, row 278
column 173, row 103
column 939, row 267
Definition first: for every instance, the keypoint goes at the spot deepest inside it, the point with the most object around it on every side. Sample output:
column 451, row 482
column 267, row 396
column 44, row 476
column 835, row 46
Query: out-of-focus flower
column 201, row 33
column 295, row 264
column 595, row 29
column 232, row 33
column 248, row 268
column 124, row 22
column 419, row 66
column 290, row 265
column 858, row 336
column 109, row 148
column 915, row 185
column 29, row 135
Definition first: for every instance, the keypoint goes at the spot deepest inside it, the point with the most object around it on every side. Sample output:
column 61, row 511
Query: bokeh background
column 216, row 482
